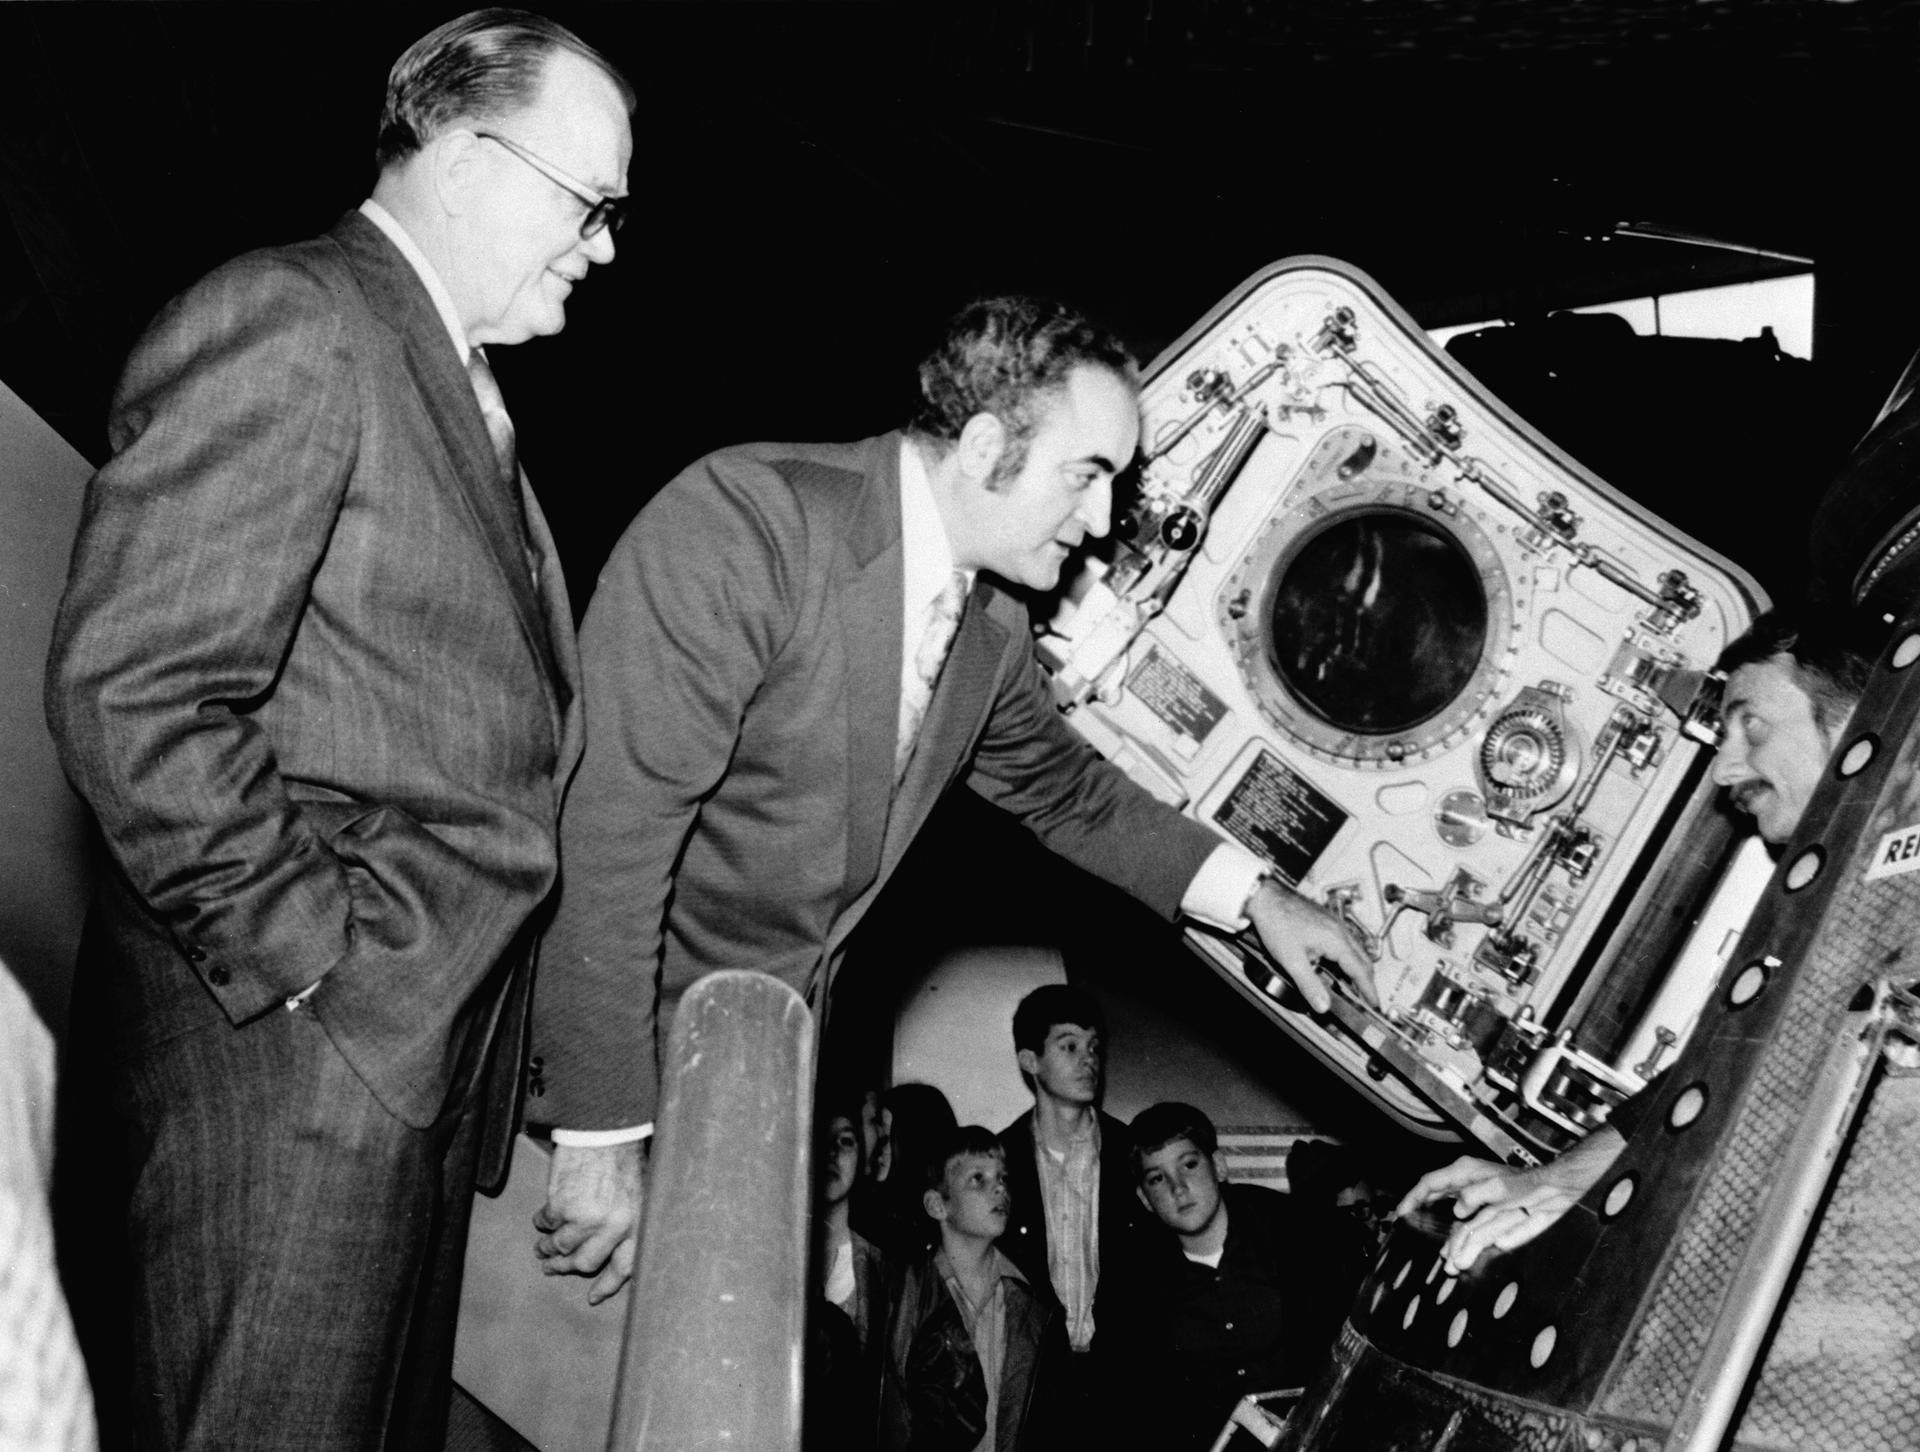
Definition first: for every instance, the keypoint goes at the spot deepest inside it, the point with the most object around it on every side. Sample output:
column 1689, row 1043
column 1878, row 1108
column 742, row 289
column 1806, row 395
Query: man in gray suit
column 314, row 674
column 774, row 708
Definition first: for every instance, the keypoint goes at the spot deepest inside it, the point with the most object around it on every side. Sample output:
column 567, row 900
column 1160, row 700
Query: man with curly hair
column 793, row 652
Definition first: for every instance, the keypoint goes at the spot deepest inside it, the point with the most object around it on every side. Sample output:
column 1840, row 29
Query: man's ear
column 1028, row 1061
column 455, row 161
column 983, row 440
column 935, row 1204
column 1220, row 1166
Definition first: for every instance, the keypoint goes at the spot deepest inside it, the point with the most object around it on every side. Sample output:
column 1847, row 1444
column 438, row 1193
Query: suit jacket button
column 216, row 975
column 196, row 955
column 536, row 1088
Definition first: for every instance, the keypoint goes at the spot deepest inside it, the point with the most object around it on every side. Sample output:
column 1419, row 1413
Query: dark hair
column 965, row 1139
column 839, row 1107
column 1006, row 356
column 889, row 1212
column 922, row 1122
column 1319, row 1171
column 1831, row 650
column 920, row 1113
column 1159, row 1125
column 487, row 64
column 1050, row 1005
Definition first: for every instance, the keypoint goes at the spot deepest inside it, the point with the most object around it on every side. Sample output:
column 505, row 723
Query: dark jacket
column 1264, row 1319
column 934, row 1394
column 868, row 1308
column 845, row 1352
column 1129, row 1235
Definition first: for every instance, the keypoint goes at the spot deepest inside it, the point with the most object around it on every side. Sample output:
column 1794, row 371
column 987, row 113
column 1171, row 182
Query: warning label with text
column 1176, row 695
column 1276, row 812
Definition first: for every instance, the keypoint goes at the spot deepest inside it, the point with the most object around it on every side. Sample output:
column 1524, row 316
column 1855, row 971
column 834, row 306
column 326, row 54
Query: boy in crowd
column 970, row 1340
column 1256, row 1296
column 849, row 1263
column 849, row 1318
column 1076, row 1227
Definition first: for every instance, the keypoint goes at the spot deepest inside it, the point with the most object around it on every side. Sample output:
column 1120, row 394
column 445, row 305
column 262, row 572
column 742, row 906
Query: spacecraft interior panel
column 1360, row 618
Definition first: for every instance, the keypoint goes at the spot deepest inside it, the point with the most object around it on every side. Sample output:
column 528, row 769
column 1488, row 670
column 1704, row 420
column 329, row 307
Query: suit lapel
column 872, row 616
column 563, row 655
column 870, row 621
column 400, row 299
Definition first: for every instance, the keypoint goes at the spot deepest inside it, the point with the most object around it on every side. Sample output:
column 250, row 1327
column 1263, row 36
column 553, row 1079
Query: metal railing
column 717, row 1322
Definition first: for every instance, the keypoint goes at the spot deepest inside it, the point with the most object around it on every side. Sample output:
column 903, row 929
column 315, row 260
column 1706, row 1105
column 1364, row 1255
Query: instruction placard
column 1176, row 695
column 1276, row 812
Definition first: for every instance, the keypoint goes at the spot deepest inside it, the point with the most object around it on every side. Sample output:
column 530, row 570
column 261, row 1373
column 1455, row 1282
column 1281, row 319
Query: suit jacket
column 305, row 678
column 1130, row 1238
column 735, row 806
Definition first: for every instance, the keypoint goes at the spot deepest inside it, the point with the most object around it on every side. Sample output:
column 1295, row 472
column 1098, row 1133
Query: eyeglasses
column 603, row 212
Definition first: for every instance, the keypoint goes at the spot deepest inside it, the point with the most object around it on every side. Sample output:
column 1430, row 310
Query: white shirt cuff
column 1220, row 889
column 601, row 1138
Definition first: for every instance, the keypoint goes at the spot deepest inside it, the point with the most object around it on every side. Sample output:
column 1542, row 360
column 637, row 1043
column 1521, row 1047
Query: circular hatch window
column 1372, row 624
column 1376, row 621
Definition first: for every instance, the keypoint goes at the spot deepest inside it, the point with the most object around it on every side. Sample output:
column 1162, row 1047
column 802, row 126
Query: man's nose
column 599, row 247
column 1729, row 764
column 1096, row 506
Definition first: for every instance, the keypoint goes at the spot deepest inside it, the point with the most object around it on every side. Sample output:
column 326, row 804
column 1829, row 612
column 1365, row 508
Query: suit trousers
column 297, row 1250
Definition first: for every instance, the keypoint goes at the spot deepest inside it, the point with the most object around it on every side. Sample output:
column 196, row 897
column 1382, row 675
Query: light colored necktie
column 493, row 409
column 936, row 639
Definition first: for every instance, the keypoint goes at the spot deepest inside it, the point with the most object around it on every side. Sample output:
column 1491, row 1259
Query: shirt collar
column 1003, row 1268
column 1088, row 1138
column 928, row 554
column 436, row 289
column 1007, row 1269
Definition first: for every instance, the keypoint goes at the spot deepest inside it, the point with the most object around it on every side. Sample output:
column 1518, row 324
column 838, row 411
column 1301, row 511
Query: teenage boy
column 1076, row 1225
column 1256, row 1296
column 970, row 1340
column 850, row 1264
column 849, row 1318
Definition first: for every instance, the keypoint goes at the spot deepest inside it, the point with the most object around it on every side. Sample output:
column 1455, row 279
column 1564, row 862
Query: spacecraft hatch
column 1359, row 617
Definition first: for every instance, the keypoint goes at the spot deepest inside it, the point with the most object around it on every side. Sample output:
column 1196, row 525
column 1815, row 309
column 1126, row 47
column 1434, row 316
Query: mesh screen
column 1844, row 1369
column 1867, row 925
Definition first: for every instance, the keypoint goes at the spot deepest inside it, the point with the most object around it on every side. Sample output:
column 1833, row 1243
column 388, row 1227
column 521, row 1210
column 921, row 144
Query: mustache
column 1746, row 794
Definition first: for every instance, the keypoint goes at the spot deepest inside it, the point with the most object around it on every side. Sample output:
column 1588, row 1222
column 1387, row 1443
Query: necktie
column 936, row 638
column 493, row 409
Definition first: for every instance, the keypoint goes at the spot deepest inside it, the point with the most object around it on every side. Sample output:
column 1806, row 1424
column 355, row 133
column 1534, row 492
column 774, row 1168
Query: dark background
column 820, row 184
